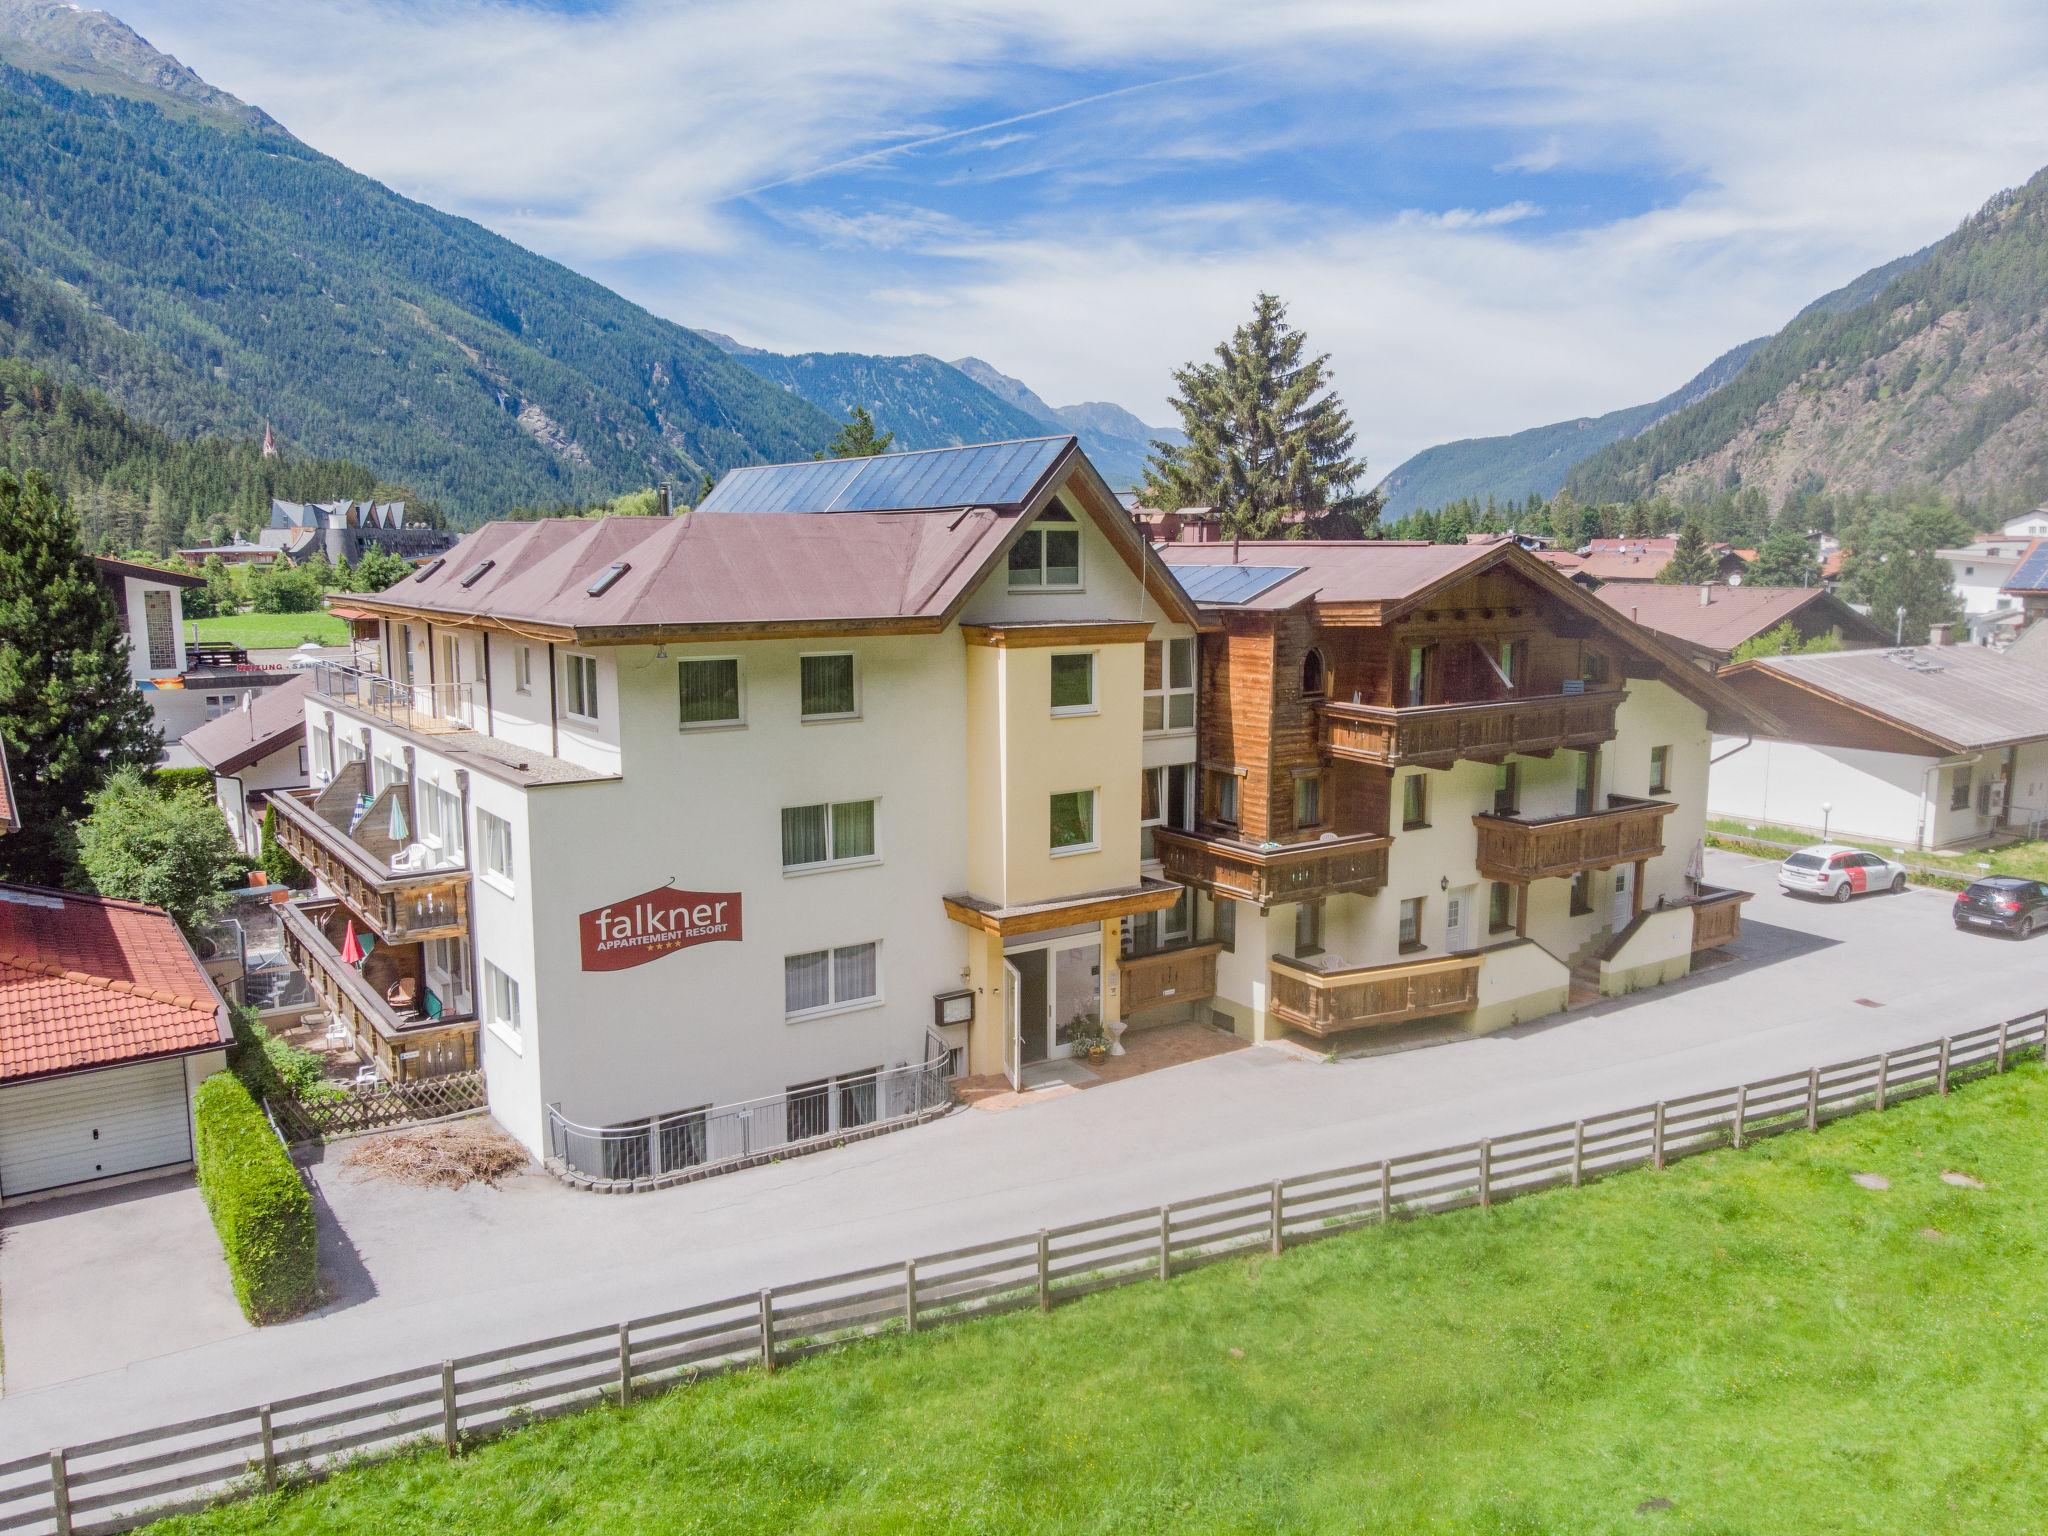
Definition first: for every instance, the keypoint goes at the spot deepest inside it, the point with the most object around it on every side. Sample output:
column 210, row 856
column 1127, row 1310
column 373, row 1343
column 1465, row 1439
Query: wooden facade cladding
column 403, row 1049
column 1516, row 850
column 1716, row 917
column 1304, row 871
column 1437, row 735
column 1330, row 1002
column 1185, row 975
column 396, row 906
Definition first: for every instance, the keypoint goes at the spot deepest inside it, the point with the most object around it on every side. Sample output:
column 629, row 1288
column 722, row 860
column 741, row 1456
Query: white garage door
column 93, row 1125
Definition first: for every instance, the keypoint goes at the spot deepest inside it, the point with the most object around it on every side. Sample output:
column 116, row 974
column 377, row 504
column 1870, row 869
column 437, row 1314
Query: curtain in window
column 803, row 836
column 806, row 981
column 853, row 830
column 853, row 973
column 827, row 683
column 710, row 691
column 856, row 1101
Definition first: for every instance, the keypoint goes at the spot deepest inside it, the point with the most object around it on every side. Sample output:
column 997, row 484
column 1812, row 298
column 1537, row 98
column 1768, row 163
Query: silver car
column 1836, row 872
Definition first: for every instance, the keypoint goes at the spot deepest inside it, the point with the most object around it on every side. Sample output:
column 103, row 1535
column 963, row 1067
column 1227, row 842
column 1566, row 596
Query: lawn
column 272, row 631
column 1746, row 1342
column 2029, row 859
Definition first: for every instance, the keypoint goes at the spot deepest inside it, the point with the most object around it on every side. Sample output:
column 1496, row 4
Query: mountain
column 1115, row 440
column 1929, row 372
column 169, row 245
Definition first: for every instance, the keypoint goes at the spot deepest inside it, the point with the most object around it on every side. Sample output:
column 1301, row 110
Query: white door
column 1623, row 873
column 93, row 1125
column 1013, row 1045
column 1458, row 921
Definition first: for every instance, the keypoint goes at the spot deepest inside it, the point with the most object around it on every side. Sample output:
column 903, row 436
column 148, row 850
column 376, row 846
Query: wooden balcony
column 1329, row 1002
column 406, row 1043
column 1437, row 735
column 1184, row 975
column 355, row 861
column 1716, row 917
column 1513, row 849
column 1269, row 875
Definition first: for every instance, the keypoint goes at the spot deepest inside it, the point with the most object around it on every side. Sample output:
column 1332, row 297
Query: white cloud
column 1755, row 154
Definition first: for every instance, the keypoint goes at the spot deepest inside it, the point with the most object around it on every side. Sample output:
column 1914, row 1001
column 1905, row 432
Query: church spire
column 269, row 442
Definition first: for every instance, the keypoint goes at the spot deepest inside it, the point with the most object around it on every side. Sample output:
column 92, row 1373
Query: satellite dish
column 1735, row 580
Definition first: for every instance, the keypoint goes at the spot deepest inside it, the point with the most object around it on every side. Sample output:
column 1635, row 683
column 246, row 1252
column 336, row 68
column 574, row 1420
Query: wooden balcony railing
column 1185, row 975
column 1716, row 917
column 1290, row 872
column 1435, row 735
column 403, row 1048
column 397, row 905
column 1329, row 1002
column 1514, row 849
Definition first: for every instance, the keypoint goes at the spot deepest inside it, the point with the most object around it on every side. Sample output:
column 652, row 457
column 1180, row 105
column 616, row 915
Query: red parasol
column 351, row 950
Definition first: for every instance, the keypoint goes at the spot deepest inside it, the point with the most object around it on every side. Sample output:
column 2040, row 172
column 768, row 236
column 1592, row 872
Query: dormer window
column 1047, row 555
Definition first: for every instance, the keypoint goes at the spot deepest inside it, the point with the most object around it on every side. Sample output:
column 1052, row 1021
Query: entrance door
column 1619, row 917
column 1031, row 973
column 1458, row 921
column 1076, row 991
column 1054, row 984
column 1013, row 1047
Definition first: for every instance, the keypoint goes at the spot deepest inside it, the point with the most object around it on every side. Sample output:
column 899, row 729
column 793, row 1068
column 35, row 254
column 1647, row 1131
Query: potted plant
column 1085, row 1033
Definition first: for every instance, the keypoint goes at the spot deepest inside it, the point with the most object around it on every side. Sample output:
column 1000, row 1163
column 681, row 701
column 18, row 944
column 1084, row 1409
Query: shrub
column 259, row 1204
column 274, row 1069
column 277, row 863
column 169, row 848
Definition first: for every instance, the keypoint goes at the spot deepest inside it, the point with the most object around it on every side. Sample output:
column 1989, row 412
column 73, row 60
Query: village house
column 344, row 531
column 1435, row 783
column 254, row 752
column 711, row 834
column 1709, row 623
column 1644, row 559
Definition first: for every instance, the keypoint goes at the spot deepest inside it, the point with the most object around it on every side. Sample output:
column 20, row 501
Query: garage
column 93, row 1125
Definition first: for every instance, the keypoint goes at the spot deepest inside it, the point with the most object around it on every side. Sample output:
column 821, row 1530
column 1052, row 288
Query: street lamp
column 1827, row 809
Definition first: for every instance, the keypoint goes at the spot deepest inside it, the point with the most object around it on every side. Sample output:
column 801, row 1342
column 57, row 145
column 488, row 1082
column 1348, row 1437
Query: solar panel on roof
column 985, row 475
column 1221, row 585
column 2032, row 575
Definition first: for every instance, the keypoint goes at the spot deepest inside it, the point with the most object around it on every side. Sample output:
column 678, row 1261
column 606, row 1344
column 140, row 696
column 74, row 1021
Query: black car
column 2004, row 904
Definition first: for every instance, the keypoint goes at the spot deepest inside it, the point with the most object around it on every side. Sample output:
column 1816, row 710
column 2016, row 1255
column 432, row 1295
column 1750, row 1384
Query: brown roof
column 86, row 981
column 112, row 567
column 1957, row 698
column 275, row 718
column 1732, row 614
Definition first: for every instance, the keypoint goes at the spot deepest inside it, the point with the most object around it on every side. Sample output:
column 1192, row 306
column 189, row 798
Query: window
column 1595, row 670
column 1308, row 800
column 1959, row 790
column 1223, row 794
column 807, row 1110
column 1048, row 553
column 218, row 704
column 402, row 662
column 831, row 1104
column 321, row 747
column 1507, row 789
column 1660, row 770
column 1589, row 779
column 494, row 846
column 1308, row 929
column 1165, row 800
column 522, row 669
column 1169, row 685
column 1513, row 654
column 856, row 1098
column 1500, row 907
column 441, row 819
column 1314, row 675
column 1073, row 821
column 817, row 835
column 827, row 980
column 1073, row 683
column 579, row 686
column 1414, row 802
column 160, row 630
column 304, row 761
column 826, row 683
column 1421, row 673
column 709, row 689
column 501, row 1001
column 1226, row 924
column 385, row 772
column 1582, row 894
column 1149, row 932
column 1411, row 925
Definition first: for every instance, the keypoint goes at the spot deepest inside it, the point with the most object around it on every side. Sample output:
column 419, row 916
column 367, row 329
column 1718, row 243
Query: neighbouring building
column 2028, row 525
column 711, row 834
column 1433, row 782
column 237, row 551
column 1924, row 747
column 2027, row 586
column 1621, row 559
column 345, row 530
column 254, row 752
column 187, row 682
column 108, row 1021
column 1709, row 623
column 1980, row 573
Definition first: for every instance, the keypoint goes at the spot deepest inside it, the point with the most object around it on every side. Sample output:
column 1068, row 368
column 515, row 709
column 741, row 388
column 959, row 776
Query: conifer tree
column 1266, row 435
column 69, row 712
column 1692, row 563
column 857, row 439
column 1784, row 559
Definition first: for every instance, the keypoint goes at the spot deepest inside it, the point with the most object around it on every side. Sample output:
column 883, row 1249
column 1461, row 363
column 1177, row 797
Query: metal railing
column 667, row 1148
column 429, row 708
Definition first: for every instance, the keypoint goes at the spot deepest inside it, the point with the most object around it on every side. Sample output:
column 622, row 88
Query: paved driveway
column 90, row 1283
column 420, row 1275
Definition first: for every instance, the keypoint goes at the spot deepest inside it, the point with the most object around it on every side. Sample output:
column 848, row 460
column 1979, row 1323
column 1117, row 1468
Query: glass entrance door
column 1056, row 985
column 1076, row 992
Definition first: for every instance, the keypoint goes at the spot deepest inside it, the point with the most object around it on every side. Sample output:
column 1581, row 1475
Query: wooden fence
column 377, row 1106
column 126, row 1480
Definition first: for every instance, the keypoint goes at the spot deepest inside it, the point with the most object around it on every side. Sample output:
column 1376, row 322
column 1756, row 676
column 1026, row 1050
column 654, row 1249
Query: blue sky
column 1492, row 213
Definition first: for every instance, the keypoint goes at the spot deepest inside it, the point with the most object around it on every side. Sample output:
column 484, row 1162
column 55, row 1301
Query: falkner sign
column 662, row 921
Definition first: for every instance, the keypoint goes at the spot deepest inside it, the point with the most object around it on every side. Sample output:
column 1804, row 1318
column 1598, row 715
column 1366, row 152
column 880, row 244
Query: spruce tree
column 69, row 712
column 857, row 439
column 1266, row 436
column 1692, row 563
column 1784, row 559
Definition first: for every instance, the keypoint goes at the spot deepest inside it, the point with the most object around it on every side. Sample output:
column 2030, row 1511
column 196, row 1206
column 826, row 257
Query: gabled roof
column 1954, row 698
column 86, row 981
column 2031, row 574
column 628, row 579
column 274, row 719
column 1000, row 476
column 108, row 566
column 1732, row 615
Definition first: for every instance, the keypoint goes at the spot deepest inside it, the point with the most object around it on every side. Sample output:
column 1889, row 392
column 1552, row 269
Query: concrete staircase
column 1585, row 968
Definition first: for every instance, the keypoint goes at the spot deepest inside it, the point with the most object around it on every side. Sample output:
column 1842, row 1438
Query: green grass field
column 2028, row 859
column 272, row 631
column 1749, row 1336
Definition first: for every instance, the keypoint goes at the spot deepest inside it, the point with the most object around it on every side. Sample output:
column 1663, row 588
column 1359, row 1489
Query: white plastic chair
column 366, row 1075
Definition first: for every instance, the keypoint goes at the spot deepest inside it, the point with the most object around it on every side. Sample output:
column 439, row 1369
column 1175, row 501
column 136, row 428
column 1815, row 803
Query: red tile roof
column 86, row 981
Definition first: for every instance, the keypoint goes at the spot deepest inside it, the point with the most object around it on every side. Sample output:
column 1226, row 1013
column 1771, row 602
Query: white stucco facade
column 1905, row 799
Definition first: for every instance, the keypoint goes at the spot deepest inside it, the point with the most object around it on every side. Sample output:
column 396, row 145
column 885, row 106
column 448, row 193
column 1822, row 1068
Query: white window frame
column 1094, row 843
column 1064, row 710
column 440, row 813
column 1037, row 530
column 218, row 704
column 831, row 859
column 575, row 663
column 385, row 772
column 811, row 719
column 838, row 1004
column 501, row 1007
column 739, row 673
column 522, row 669
column 500, row 876
column 305, row 762
column 321, row 743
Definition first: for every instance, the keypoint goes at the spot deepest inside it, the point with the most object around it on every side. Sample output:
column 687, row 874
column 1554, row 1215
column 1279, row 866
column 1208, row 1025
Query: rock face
column 93, row 50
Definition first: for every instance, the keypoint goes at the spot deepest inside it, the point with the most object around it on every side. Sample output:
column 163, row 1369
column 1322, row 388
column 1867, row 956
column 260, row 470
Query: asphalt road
column 421, row 1275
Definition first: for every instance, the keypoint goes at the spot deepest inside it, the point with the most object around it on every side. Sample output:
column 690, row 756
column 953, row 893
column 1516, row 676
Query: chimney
column 664, row 499
column 1706, row 595
column 1941, row 634
column 1635, row 613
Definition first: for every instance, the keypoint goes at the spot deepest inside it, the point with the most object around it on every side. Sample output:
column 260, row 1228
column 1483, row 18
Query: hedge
column 258, row 1202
